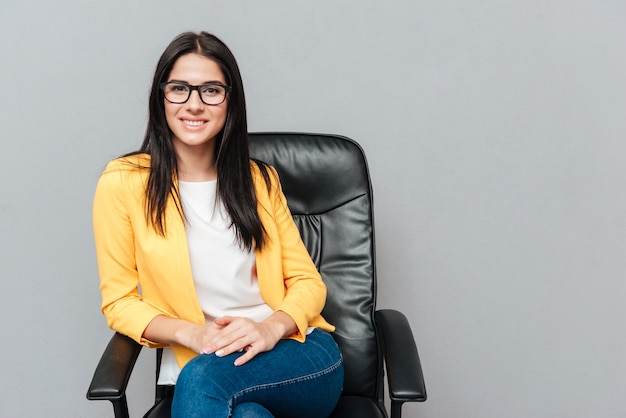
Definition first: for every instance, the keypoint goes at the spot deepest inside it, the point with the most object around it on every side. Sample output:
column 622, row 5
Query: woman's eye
column 178, row 88
column 211, row 90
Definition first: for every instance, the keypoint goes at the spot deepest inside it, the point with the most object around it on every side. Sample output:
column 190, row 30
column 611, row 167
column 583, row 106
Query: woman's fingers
column 250, row 353
column 242, row 335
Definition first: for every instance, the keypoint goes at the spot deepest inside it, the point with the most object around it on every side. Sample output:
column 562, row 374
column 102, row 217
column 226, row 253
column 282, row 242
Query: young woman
column 198, row 253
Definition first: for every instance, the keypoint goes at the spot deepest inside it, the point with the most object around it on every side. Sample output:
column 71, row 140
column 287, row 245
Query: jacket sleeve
column 304, row 291
column 114, row 205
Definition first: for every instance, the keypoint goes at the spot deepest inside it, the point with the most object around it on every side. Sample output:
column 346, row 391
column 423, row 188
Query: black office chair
column 328, row 189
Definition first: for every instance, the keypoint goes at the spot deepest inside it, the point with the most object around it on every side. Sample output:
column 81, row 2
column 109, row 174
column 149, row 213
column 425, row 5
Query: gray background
column 495, row 136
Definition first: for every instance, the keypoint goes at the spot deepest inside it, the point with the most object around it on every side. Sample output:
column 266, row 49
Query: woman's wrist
column 183, row 334
column 282, row 323
column 165, row 330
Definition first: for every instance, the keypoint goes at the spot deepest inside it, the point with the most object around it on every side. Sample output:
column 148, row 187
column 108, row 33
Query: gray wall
column 495, row 136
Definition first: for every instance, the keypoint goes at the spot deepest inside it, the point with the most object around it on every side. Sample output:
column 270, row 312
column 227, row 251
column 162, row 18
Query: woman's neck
column 196, row 164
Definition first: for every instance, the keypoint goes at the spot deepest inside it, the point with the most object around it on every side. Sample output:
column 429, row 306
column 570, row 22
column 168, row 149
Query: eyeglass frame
column 227, row 90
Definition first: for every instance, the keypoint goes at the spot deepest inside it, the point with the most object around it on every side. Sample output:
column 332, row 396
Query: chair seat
column 357, row 407
column 348, row 407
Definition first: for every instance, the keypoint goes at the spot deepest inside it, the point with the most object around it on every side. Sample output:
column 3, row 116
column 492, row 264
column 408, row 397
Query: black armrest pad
column 406, row 381
column 114, row 369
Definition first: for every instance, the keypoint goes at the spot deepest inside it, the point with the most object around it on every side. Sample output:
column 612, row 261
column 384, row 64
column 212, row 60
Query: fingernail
column 219, row 353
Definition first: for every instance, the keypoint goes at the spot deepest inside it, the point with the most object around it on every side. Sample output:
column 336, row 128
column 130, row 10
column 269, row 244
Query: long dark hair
column 235, row 187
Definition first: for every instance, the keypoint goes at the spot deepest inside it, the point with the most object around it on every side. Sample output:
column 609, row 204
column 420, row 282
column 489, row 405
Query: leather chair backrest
column 326, row 182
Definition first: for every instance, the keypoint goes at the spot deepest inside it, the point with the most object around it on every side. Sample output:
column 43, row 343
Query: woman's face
column 194, row 124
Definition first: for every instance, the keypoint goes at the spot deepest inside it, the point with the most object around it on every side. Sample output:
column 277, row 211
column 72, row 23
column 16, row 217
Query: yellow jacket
column 143, row 274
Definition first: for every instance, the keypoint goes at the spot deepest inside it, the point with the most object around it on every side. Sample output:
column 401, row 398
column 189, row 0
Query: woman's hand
column 196, row 337
column 224, row 336
column 236, row 334
column 167, row 330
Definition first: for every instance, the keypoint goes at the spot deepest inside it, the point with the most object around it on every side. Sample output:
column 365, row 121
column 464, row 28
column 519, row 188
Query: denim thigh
column 293, row 379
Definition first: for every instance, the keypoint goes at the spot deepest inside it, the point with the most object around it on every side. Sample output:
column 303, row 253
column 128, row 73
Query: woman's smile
column 194, row 124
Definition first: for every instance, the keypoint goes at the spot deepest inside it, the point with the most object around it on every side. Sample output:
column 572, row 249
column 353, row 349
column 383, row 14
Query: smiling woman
column 221, row 281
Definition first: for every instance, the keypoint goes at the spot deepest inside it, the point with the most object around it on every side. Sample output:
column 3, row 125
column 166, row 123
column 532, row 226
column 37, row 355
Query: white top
column 224, row 274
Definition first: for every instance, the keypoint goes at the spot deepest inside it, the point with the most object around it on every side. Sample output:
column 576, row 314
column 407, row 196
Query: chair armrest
column 113, row 373
column 404, row 370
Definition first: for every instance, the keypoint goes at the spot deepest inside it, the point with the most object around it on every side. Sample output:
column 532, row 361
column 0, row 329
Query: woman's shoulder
column 130, row 170
column 129, row 163
column 263, row 174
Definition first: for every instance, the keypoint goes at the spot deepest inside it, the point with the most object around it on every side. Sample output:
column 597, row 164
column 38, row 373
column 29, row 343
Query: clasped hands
column 230, row 334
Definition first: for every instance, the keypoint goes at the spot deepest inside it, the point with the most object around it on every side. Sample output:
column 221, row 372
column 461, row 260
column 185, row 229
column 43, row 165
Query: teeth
column 193, row 122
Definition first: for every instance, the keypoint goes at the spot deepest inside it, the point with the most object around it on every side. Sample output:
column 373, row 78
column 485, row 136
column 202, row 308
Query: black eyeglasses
column 211, row 94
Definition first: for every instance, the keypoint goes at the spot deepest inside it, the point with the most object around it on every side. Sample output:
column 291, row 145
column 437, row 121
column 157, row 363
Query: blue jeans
column 292, row 380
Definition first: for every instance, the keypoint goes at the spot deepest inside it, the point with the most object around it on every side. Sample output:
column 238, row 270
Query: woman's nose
column 194, row 101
